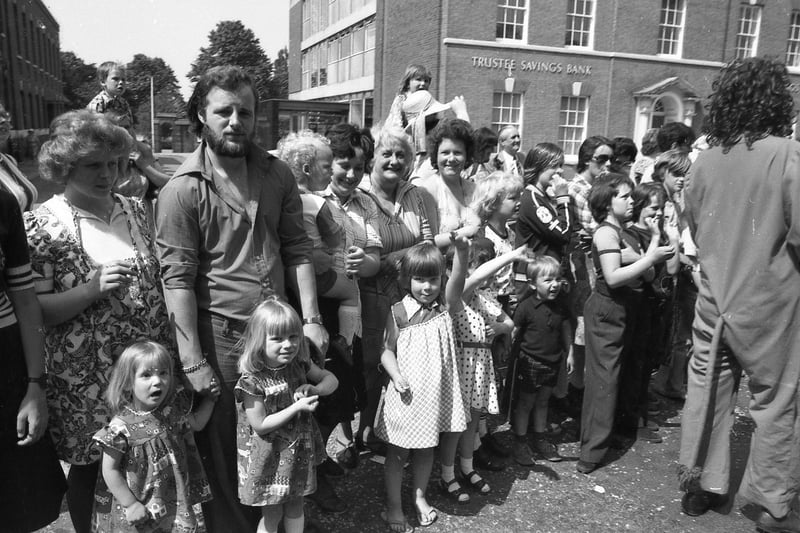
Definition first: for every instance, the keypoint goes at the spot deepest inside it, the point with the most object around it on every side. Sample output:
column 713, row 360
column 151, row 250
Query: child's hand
column 136, row 514
column 354, row 259
column 461, row 242
column 662, row 253
column 560, row 185
column 401, row 384
column 628, row 255
column 305, row 390
column 307, row 404
column 214, row 389
column 652, row 224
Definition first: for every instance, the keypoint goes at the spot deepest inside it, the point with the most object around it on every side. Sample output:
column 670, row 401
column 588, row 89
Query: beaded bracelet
column 195, row 367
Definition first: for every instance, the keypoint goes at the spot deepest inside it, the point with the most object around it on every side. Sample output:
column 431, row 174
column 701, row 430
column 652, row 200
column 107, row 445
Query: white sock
column 448, row 472
column 349, row 321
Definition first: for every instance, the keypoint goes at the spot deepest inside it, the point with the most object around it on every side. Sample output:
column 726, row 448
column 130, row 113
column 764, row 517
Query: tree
column 167, row 93
column 231, row 43
column 80, row 80
column 280, row 76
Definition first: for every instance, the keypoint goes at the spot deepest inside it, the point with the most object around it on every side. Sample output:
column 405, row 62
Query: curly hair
column 483, row 140
column 299, row 149
column 604, row 189
column 454, row 129
column 649, row 142
column 492, row 190
column 540, row 158
column 228, row 77
column 587, row 149
column 750, row 100
column 73, row 136
column 345, row 138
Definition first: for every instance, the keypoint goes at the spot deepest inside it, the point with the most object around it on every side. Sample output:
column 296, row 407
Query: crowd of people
column 200, row 338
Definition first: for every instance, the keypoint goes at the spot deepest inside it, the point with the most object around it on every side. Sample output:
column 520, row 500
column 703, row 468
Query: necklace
column 136, row 288
column 140, row 413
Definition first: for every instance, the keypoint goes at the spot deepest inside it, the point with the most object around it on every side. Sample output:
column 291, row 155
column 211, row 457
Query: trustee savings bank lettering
column 551, row 67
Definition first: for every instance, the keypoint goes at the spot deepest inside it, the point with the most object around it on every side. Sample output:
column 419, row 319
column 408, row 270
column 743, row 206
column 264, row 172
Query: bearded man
column 230, row 233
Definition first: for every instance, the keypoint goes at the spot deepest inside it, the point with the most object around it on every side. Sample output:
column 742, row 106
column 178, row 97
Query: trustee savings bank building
column 560, row 70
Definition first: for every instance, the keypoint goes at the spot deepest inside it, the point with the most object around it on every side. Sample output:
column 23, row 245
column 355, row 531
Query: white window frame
column 504, row 9
column 574, row 121
column 748, row 30
column 672, row 22
column 503, row 114
column 793, row 42
column 573, row 16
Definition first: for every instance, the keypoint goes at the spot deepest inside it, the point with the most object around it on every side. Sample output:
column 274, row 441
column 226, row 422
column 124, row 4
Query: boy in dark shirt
column 542, row 325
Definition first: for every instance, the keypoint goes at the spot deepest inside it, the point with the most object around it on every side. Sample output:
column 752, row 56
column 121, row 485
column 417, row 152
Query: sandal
column 397, row 527
column 476, row 482
column 427, row 519
column 453, row 490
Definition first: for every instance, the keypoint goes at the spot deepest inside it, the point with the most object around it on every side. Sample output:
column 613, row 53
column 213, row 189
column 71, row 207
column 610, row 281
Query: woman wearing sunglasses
column 594, row 158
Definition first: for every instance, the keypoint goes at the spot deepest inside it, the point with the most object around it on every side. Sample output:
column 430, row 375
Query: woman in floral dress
column 97, row 280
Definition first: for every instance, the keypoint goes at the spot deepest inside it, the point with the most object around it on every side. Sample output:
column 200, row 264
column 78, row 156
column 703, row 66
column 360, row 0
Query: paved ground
column 637, row 492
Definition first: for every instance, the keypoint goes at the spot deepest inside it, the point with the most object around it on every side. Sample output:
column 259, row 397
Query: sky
column 174, row 30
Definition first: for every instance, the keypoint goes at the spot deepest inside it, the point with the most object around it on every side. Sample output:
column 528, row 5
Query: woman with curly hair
column 743, row 212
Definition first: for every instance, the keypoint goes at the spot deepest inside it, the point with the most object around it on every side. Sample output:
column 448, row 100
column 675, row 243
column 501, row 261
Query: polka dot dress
column 474, row 353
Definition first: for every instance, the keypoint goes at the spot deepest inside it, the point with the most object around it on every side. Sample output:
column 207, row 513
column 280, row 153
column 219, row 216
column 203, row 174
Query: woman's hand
column 32, row 416
column 354, row 259
column 662, row 253
column 136, row 514
column 110, row 277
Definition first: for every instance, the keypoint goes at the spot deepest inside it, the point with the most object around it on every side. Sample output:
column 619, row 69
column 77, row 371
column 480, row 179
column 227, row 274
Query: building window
column 507, row 110
column 747, row 34
column 511, row 19
column 572, row 123
column 670, row 37
column 580, row 14
column 343, row 57
column 315, row 17
column 793, row 49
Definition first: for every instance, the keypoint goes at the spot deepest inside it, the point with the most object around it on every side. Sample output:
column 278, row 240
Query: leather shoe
column 698, row 503
column 769, row 524
column 485, row 461
column 586, row 467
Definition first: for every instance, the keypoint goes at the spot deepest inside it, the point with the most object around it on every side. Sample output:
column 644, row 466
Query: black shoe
column 326, row 499
column 698, row 503
column 330, row 468
column 648, row 435
column 493, row 445
column 769, row 524
column 546, row 449
column 485, row 461
column 378, row 447
column 344, row 350
column 586, row 467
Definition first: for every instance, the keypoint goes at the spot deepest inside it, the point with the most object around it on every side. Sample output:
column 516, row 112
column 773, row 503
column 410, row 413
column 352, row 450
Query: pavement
column 637, row 491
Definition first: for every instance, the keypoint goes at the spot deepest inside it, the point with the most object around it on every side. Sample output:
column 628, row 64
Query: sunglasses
column 602, row 159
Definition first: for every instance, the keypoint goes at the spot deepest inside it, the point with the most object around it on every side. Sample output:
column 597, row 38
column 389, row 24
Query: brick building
column 30, row 65
column 560, row 70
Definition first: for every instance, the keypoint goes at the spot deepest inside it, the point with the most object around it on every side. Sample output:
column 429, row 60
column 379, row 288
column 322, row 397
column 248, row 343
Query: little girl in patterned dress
column 279, row 443
column 151, row 474
column 424, row 398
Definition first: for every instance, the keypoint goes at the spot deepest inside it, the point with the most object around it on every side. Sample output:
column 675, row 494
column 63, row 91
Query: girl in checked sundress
column 424, row 398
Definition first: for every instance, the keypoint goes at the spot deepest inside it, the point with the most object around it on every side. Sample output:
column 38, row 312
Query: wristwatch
column 316, row 319
column 41, row 380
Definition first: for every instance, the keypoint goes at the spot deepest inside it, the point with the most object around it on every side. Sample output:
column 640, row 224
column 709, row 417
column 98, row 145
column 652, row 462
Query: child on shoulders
column 111, row 76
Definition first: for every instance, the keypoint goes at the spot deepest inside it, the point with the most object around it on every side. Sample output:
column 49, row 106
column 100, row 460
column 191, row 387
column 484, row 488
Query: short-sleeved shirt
column 539, row 323
column 579, row 192
column 358, row 215
column 231, row 255
column 325, row 233
column 104, row 102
